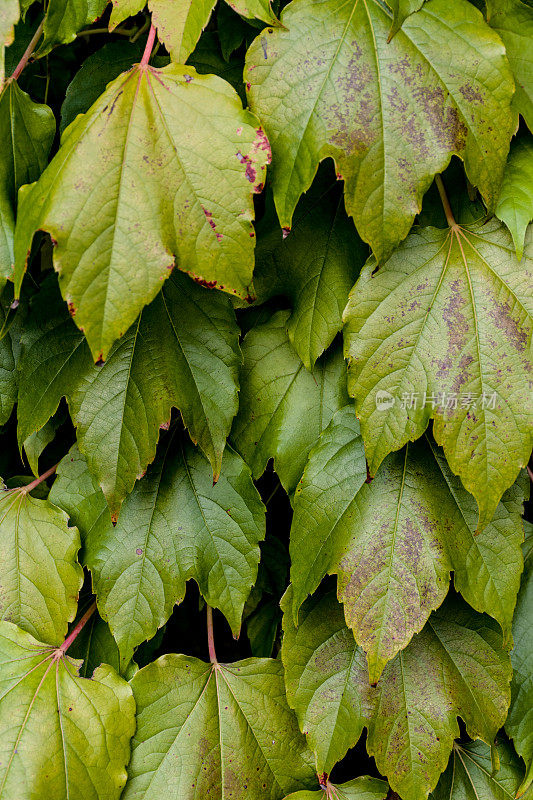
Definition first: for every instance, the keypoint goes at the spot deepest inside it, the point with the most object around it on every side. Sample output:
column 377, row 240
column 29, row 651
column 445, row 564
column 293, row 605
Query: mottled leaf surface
column 443, row 331
column 515, row 205
column 393, row 541
column 26, row 132
column 519, row 724
column 314, row 267
column 361, row 788
column 182, row 351
column 174, row 526
column 62, row 736
column 389, row 113
column 40, row 577
column 326, row 678
column 470, row 774
column 513, row 21
column 181, row 164
column 283, row 408
column 215, row 731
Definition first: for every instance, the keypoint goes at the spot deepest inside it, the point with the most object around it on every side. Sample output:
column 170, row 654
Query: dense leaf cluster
column 266, row 303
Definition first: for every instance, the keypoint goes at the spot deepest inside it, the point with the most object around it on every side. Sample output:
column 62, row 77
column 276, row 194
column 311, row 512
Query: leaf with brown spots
column 61, row 735
column 390, row 114
column 456, row 667
column 394, row 541
column 215, row 731
column 125, row 198
column 443, row 331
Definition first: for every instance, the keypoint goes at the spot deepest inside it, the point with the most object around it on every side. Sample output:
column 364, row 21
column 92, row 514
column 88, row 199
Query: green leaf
column 27, row 130
column 456, row 666
column 390, row 114
column 470, row 776
column 515, row 206
column 93, row 76
column 283, row 407
column 183, row 351
column 62, row 736
column 402, row 9
column 174, row 526
column 39, row 572
column 361, row 788
column 36, row 443
column 314, row 267
column 513, row 21
column 64, row 18
column 393, row 541
column 95, row 646
column 447, row 322
column 326, row 678
column 221, row 730
column 181, row 164
column 9, row 15
column 519, row 724
column 11, row 323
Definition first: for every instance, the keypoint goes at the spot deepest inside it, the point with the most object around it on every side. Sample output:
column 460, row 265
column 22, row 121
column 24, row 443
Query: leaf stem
column 530, row 473
column 30, row 486
column 27, row 53
column 211, row 637
column 445, row 202
column 79, row 627
column 148, row 49
column 117, row 31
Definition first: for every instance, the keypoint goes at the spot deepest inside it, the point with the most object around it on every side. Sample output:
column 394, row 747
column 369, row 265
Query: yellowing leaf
column 61, row 736
column 443, row 331
column 215, row 731
column 390, row 114
column 161, row 169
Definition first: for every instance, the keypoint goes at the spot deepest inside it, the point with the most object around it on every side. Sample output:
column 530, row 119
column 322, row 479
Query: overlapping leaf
column 175, row 525
column 314, row 267
column 179, row 168
column 456, row 666
column 26, row 130
column 394, row 541
column 182, row 351
column 64, row 18
column 283, row 408
column 401, row 9
column 515, row 205
column 362, row 788
column 513, row 21
column 390, row 113
column 443, row 331
column 10, row 326
column 62, row 736
column 9, row 14
column 215, row 731
column 470, row 774
column 40, row 577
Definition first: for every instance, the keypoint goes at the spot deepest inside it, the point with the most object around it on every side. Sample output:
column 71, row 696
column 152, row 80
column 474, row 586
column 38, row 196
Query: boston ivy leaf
column 401, row 9
column 36, row 443
column 27, row 130
column 361, row 788
column 389, row 113
column 39, row 572
column 513, row 20
column 394, row 541
column 519, row 724
column 11, row 323
column 326, row 677
column 456, row 666
column 62, row 736
column 95, row 646
column 442, row 330
column 174, row 526
column 9, row 14
column 183, row 351
column 64, row 18
column 314, row 267
column 470, row 775
column 216, row 731
column 283, row 407
column 180, row 24
column 515, row 206
column 180, row 166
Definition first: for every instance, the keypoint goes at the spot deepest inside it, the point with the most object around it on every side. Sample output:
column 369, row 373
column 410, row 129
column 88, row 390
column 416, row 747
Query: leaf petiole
column 210, row 636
